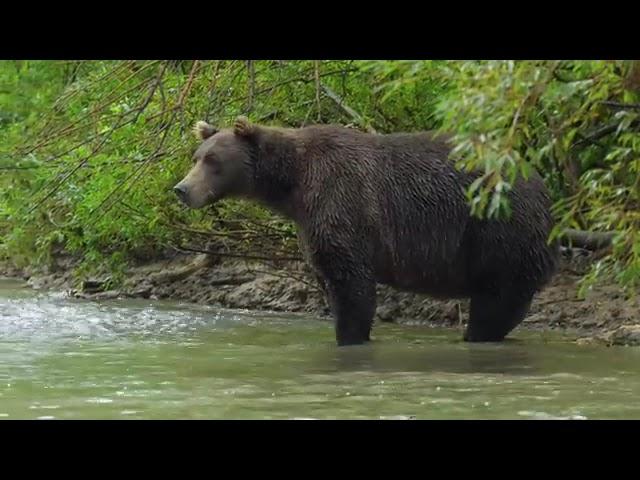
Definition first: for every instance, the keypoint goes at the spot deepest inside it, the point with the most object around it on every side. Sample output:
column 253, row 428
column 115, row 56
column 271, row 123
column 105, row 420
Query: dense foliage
column 89, row 151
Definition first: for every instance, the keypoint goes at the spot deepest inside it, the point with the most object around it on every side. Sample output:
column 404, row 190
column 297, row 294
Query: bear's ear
column 203, row 130
column 243, row 127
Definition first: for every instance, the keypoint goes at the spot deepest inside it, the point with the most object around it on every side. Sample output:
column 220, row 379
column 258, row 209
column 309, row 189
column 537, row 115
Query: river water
column 62, row 358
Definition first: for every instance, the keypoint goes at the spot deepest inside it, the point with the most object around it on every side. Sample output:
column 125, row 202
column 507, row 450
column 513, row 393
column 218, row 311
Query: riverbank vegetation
column 89, row 150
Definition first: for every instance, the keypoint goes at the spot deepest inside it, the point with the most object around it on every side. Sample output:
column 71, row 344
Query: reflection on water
column 493, row 359
column 66, row 358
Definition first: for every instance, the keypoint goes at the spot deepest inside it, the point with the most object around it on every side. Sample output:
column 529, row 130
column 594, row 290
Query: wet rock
column 106, row 295
column 94, row 285
column 387, row 313
column 589, row 341
column 628, row 335
column 624, row 335
column 452, row 314
column 248, row 295
column 589, row 322
column 142, row 292
column 37, row 283
column 534, row 318
column 557, row 317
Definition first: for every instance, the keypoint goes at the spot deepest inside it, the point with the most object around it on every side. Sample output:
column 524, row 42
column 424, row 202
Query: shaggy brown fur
column 384, row 208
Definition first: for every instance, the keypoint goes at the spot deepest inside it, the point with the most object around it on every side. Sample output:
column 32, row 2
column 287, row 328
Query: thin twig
column 599, row 133
column 623, row 106
column 347, row 109
column 251, row 84
column 286, row 274
column 318, row 87
column 276, row 258
column 212, row 88
column 152, row 92
column 49, row 137
column 74, row 169
column 138, row 173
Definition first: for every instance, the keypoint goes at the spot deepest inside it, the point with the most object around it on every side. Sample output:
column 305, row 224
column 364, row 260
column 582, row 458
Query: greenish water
column 135, row 359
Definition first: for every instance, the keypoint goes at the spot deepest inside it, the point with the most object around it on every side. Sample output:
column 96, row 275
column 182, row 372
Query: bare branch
column 587, row 240
column 152, row 92
column 60, row 182
column 251, row 84
column 318, row 88
column 622, row 106
column 136, row 174
column 347, row 109
column 275, row 258
column 599, row 133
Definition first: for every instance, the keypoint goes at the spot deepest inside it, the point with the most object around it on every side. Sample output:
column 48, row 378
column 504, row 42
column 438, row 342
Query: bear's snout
column 181, row 191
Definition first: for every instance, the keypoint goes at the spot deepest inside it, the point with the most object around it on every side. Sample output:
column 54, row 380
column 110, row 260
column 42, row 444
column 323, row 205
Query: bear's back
column 406, row 191
column 403, row 190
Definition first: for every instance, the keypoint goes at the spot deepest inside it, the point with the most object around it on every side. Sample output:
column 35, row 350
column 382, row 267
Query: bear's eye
column 214, row 162
column 211, row 159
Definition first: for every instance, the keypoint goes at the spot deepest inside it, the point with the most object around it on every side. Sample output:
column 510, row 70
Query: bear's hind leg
column 353, row 304
column 492, row 317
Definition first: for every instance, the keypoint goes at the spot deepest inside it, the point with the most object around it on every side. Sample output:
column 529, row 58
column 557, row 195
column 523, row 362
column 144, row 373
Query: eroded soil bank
column 604, row 316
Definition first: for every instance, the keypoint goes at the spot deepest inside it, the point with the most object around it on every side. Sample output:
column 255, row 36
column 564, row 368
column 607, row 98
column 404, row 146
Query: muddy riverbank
column 604, row 316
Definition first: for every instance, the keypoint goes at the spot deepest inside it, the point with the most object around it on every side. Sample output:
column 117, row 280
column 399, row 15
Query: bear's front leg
column 342, row 261
column 353, row 303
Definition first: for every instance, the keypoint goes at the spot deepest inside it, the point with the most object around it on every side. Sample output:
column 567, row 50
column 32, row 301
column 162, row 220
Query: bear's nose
column 181, row 191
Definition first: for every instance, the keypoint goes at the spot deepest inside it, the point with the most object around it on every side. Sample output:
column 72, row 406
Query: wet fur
column 392, row 209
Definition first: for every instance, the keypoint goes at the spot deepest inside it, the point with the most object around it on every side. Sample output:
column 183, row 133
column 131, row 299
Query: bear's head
column 222, row 165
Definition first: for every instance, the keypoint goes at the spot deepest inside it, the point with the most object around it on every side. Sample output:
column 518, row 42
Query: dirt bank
column 605, row 316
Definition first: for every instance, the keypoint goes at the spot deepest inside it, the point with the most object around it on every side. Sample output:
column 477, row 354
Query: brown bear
column 383, row 208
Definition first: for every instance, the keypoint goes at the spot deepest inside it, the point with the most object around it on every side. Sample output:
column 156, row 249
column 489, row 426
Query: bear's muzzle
column 181, row 191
